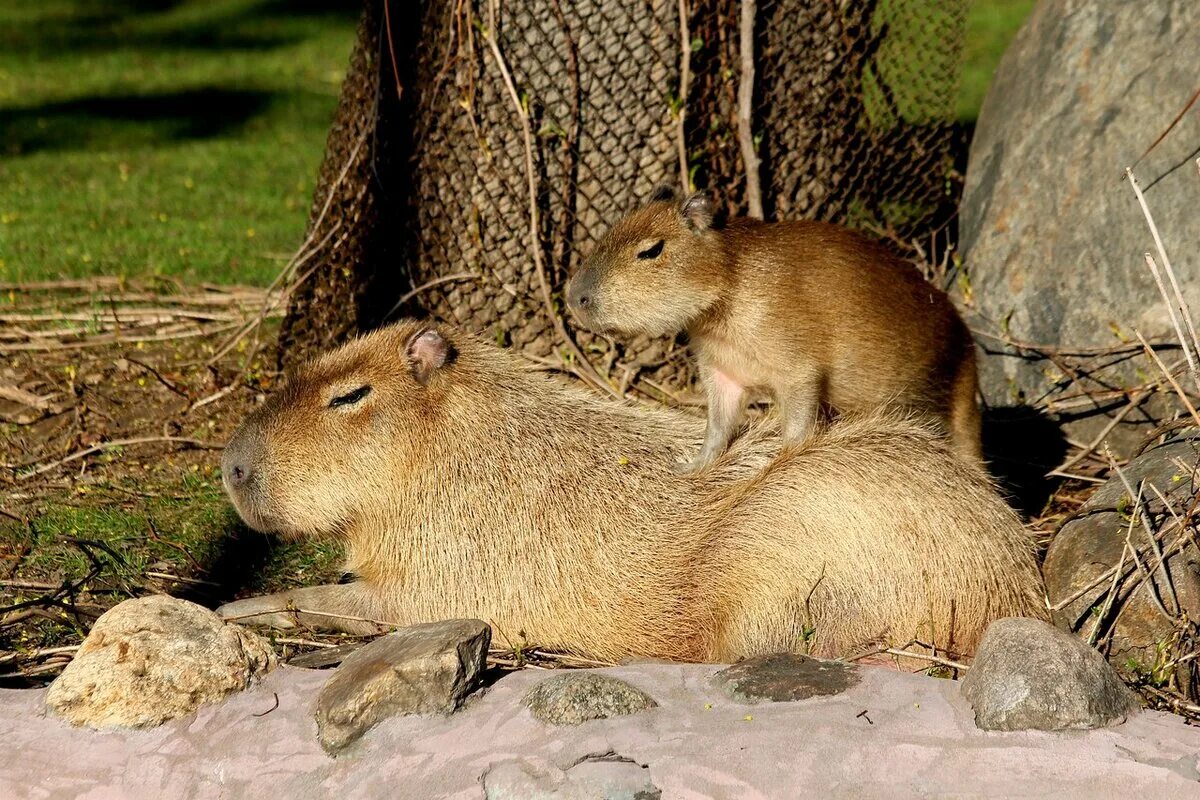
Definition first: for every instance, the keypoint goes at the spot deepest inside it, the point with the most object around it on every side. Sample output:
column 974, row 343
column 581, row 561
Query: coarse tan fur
column 463, row 484
column 814, row 314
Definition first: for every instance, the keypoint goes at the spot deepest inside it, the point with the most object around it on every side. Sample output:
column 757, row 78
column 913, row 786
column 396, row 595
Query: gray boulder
column 785, row 677
column 576, row 697
column 1091, row 544
column 423, row 669
column 154, row 659
column 1052, row 236
column 1029, row 675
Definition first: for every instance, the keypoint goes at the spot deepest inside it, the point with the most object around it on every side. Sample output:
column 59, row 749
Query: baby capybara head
column 654, row 272
column 332, row 441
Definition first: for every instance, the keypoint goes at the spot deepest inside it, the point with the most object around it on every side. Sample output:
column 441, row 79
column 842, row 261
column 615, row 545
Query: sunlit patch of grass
column 154, row 140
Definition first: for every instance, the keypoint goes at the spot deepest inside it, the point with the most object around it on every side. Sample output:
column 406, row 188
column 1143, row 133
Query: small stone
column 785, row 677
column 154, row 659
column 423, row 669
column 576, row 697
column 608, row 776
column 1030, row 675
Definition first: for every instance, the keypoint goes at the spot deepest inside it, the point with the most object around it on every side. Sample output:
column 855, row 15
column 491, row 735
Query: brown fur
column 813, row 313
column 476, row 488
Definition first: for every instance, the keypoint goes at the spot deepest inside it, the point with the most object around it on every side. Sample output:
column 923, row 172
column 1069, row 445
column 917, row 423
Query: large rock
column 785, row 677
column 423, row 669
column 576, row 697
column 153, row 659
column 1052, row 235
column 1029, row 675
column 1092, row 543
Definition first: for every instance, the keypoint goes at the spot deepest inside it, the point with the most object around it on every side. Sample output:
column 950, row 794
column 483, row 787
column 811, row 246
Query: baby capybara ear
column 664, row 192
column 427, row 352
column 697, row 212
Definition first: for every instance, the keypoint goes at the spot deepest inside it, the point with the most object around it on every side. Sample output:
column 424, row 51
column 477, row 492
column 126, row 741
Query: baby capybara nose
column 581, row 297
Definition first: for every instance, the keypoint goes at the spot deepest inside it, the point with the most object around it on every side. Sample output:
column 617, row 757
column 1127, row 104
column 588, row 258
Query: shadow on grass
column 237, row 558
column 91, row 122
column 243, row 563
column 101, row 25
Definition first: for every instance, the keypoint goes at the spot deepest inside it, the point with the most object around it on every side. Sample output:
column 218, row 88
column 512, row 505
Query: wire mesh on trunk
column 482, row 148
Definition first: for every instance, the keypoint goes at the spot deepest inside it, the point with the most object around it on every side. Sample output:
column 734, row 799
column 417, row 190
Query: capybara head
column 336, row 435
column 657, row 269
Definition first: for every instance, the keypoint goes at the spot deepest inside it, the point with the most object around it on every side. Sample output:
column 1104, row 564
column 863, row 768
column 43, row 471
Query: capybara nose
column 580, row 295
column 237, row 474
column 236, row 467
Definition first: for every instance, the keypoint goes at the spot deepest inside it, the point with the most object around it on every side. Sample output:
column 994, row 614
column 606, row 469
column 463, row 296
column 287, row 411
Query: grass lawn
column 154, row 137
column 157, row 137
column 991, row 25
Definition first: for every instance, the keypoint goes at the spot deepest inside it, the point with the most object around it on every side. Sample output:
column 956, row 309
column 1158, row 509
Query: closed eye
column 350, row 398
column 653, row 251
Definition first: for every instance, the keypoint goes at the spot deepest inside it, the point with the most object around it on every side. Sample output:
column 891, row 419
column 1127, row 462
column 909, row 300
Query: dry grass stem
column 1140, row 515
column 1191, row 345
column 457, row 276
column 593, row 377
column 685, row 78
column 1187, row 403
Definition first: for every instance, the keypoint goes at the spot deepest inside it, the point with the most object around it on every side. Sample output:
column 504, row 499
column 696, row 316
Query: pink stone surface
column 920, row 742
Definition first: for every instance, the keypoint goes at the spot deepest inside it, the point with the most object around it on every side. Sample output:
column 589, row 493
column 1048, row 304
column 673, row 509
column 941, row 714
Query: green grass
column 129, row 535
column 163, row 138
column 991, row 25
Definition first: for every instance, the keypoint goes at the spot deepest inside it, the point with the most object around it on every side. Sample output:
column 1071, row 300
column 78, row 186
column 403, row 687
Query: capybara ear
column 427, row 352
column 697, row 212
column 664, row 192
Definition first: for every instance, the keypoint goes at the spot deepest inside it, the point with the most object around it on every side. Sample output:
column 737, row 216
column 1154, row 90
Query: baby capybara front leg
column 726, row 405
column 343, row 608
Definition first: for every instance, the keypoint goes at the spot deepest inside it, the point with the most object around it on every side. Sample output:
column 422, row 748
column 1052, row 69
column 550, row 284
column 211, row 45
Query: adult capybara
column 463, row 484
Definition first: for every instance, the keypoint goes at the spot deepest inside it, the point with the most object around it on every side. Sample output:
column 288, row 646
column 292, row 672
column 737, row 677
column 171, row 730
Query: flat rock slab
column 920, row 742
column 785, row 677
column 607, row 775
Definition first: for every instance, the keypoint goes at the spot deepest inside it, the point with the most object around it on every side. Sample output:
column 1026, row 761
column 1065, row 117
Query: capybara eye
column 653, row 251
column 350, row 398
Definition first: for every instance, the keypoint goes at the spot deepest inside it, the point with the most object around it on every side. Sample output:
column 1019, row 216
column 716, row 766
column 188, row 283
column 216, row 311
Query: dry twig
column 745, row 99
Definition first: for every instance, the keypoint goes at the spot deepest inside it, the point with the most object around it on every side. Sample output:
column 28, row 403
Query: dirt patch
column 115, row 401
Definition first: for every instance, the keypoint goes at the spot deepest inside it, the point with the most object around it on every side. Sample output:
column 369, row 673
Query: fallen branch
column 98, row 448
